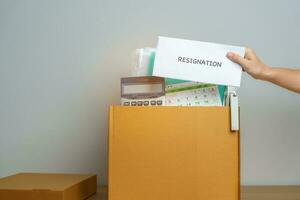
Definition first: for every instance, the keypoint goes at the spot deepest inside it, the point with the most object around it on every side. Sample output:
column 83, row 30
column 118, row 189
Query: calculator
column 143, row 91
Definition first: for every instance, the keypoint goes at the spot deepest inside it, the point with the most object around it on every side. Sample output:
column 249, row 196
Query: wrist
column 267, row 73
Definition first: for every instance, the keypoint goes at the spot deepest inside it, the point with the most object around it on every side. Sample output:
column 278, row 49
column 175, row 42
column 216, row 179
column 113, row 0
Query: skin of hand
column 250, row 63
column 284, row 77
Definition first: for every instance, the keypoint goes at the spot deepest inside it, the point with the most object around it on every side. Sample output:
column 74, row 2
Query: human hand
column 250, row 63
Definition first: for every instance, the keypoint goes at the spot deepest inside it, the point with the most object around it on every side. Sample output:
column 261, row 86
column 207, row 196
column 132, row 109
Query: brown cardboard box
column 35, row 186
column 172, row 153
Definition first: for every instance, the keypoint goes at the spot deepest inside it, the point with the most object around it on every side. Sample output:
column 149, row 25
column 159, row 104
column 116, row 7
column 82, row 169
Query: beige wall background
column 61, row 60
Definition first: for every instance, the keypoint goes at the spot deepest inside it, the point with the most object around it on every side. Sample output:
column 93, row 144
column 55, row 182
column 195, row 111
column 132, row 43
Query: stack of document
column 195, row 73
column 193, row 94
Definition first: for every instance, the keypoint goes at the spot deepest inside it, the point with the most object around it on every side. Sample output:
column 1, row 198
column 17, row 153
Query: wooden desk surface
column 247, row 193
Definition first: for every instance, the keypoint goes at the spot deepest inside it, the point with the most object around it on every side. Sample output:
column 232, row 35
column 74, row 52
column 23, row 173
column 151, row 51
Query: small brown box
column 37, row 186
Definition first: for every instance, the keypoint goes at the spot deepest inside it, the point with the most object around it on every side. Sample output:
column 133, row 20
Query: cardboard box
column 172, row 153
column 36, row 186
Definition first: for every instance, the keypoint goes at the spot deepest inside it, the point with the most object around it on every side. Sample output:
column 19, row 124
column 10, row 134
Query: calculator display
column 142, row 89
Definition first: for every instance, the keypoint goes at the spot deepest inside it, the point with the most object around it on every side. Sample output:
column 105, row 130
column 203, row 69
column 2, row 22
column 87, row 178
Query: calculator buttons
column 153, row 103
column 159, row 102
column 143, row 102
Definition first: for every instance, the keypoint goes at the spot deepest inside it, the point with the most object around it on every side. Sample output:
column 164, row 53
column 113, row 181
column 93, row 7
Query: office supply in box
column 143, row 66
column 143, row 91
column 193, row 94
column 142, row 59
column 197, row 61
column 42, row 186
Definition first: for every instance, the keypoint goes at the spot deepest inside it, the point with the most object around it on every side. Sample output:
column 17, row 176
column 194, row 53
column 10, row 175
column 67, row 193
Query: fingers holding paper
column 250, row 63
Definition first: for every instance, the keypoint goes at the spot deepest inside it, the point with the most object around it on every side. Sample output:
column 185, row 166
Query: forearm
column 287, row 78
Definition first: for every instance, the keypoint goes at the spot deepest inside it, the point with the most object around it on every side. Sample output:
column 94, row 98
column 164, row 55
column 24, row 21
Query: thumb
column 236, row 58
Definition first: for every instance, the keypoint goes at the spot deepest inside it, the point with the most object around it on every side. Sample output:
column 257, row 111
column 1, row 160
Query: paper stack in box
column 186, row 91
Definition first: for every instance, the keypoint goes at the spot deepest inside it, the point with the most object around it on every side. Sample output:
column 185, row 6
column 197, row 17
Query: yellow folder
column 172, row 153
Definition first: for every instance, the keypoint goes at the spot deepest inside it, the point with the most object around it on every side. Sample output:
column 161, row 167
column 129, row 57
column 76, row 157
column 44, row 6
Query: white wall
column 60, row 64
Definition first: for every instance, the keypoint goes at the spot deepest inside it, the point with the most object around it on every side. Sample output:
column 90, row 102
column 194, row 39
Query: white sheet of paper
column 197, row 61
